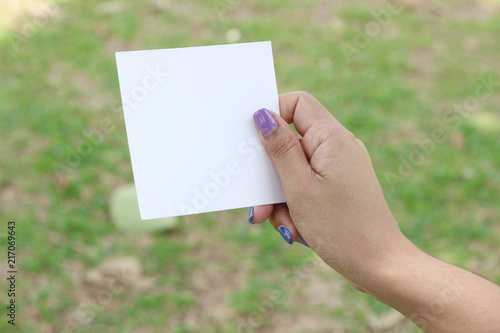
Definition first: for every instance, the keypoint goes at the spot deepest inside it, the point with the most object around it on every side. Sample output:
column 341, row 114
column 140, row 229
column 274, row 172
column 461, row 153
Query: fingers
column 284, row 149
column 290, row 156
column 259, row 214
column 316, row 125
column 304, row 111
column 281, row 221
column 279, row 217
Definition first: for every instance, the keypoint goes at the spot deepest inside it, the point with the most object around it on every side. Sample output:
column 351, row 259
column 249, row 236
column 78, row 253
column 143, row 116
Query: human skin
column 335, row 203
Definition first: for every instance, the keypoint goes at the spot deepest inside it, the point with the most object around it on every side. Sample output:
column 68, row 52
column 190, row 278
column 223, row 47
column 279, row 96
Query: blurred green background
column 395, row 79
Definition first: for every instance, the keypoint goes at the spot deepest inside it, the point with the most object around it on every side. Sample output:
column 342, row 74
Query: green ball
column 124, row 211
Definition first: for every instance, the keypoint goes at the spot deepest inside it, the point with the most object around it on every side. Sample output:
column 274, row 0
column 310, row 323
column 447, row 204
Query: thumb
column 283, row 147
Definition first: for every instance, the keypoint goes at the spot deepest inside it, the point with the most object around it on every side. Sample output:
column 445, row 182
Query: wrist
column 394, row 281
column 391, row 271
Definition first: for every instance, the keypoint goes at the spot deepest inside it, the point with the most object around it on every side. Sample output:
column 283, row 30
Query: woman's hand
column 334, row 201
column 333, row 198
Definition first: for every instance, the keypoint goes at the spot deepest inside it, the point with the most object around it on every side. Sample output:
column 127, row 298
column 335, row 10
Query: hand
column 334, row 201
column 333, row 198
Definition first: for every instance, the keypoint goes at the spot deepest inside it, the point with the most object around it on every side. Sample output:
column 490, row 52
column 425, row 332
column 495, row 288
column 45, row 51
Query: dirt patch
column 460, row 10
column 219, row 276
column 314, row 292
column 120, row 273
column 14, row 202
column 422, row 63
column 471, row 11
column 86, row 92
column 99, row 288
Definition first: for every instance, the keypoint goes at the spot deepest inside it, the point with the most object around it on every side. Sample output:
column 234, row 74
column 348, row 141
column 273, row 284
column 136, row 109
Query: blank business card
column 188, row 114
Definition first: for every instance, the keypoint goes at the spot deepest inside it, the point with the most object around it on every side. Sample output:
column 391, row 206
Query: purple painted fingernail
column 265, row 121
column 302, row 241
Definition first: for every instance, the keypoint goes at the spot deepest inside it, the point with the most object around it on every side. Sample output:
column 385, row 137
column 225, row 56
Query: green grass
column 214, row 273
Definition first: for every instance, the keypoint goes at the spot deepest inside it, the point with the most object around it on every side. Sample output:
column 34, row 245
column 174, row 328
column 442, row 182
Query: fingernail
column 285, row 233
column 302, row 241
column 265, row 121
column 250, row 216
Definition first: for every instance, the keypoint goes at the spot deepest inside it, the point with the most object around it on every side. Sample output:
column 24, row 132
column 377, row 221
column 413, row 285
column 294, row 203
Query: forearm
column 436, row 296
column 334, row 201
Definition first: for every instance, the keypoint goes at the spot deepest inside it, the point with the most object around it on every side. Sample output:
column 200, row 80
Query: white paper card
column 188, row 114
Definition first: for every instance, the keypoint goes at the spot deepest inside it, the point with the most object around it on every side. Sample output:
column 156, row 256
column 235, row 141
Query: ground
column 402, row 76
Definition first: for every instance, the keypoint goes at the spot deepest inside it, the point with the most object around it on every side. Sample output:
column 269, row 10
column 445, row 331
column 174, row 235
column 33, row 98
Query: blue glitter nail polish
column 250, row 215
column 285, row 233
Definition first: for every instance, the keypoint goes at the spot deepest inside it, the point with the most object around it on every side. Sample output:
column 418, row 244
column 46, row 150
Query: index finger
column 304, row 111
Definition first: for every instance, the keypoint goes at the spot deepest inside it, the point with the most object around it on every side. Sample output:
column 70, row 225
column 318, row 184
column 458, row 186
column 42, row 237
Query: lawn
column 417, row 81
